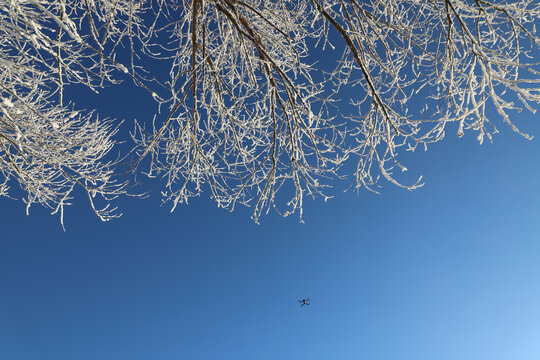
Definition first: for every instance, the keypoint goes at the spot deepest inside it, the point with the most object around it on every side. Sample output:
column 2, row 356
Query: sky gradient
column 449, row 271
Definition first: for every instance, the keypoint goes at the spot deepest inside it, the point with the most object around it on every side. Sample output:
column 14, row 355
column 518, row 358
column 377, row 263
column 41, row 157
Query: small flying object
column 304, row 302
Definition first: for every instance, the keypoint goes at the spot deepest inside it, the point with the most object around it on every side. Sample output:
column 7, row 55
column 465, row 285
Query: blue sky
column 449, row 271
column 445, row 272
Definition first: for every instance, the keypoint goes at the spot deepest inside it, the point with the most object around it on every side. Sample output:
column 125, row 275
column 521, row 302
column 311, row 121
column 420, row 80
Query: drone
column 304, row 302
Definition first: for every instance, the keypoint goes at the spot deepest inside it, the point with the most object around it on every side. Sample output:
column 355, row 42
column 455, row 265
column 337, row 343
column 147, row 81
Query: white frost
column 122, row 68
column 7, row 102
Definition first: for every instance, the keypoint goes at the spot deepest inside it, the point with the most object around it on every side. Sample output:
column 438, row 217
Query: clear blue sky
column 450, row 271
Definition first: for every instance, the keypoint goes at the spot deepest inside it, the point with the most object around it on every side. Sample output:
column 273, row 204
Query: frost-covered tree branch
column 48, row 147
column 258, row 102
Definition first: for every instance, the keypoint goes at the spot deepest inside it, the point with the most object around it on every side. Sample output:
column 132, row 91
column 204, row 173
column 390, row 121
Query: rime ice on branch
column 254, row 105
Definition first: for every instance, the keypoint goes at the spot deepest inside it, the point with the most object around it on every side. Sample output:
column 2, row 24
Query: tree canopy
column 258, row 102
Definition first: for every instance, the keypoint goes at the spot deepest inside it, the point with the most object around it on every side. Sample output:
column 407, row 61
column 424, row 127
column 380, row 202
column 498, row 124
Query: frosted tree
column 46, row 146
column 254, row 105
